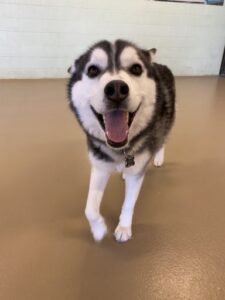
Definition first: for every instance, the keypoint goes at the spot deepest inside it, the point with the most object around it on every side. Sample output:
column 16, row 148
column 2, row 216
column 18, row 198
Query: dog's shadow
column 146, row 238
column 109, row 269
column 117, row 265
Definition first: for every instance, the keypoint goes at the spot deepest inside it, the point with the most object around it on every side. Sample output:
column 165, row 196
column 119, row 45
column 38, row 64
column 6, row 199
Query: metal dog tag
column 129, row 159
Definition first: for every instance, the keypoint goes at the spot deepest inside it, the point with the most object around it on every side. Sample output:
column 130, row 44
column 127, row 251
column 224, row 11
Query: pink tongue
column 116, row 126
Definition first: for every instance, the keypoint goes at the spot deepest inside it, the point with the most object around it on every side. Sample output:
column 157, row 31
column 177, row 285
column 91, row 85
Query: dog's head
column 112, row 91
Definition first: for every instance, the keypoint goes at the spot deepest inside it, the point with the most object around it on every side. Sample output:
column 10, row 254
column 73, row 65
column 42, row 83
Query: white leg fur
column 98, row 181
column 159, row 157
column 123, row 231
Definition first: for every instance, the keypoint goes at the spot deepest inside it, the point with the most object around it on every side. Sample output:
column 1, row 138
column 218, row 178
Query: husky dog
column 125, row 104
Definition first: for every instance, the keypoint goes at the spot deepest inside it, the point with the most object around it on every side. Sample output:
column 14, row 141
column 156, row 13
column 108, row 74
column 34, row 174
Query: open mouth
column 116, row 126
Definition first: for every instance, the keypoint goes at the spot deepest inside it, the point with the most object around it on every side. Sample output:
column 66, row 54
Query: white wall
column 40, row 38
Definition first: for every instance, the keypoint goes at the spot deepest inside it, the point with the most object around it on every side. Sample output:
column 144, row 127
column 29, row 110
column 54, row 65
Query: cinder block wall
column 40, row 38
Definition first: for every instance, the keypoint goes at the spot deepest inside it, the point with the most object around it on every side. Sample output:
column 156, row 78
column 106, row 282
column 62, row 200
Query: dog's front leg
column 97, row 186
column 123, row 231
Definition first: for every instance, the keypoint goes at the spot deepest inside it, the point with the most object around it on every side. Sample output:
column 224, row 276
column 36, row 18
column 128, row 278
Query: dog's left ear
column 72, row 69
column 152, row 53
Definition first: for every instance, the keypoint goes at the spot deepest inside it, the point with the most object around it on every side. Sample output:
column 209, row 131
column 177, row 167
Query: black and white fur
column 151, row 96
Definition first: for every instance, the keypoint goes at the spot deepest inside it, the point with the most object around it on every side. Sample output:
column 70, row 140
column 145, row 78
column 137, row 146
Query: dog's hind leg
column 159, row 157
column 98, row 181
column 123, row 231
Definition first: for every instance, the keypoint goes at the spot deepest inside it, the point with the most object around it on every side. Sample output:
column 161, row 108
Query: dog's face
column 112, row 91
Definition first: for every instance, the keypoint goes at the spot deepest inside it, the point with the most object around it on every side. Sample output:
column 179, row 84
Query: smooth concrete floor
column 46, row 250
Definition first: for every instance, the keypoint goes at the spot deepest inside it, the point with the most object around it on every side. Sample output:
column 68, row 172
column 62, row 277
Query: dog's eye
column 93, row 71
column 136, row 69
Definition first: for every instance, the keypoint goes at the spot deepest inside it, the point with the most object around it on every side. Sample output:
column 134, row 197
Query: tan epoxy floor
column 46, row 250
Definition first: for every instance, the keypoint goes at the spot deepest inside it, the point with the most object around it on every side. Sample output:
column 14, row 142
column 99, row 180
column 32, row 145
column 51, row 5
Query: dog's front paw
column 98, row 229
column 159, row 158
column 123, row 233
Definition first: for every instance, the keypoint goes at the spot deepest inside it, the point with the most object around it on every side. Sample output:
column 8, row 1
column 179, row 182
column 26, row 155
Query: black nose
column 116, row 90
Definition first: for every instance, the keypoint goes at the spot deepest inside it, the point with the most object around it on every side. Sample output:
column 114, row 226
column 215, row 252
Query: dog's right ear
column 72, row 69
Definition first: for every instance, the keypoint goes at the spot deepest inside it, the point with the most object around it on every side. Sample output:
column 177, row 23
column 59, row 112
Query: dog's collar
column 128, row 155
column 129, row 158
